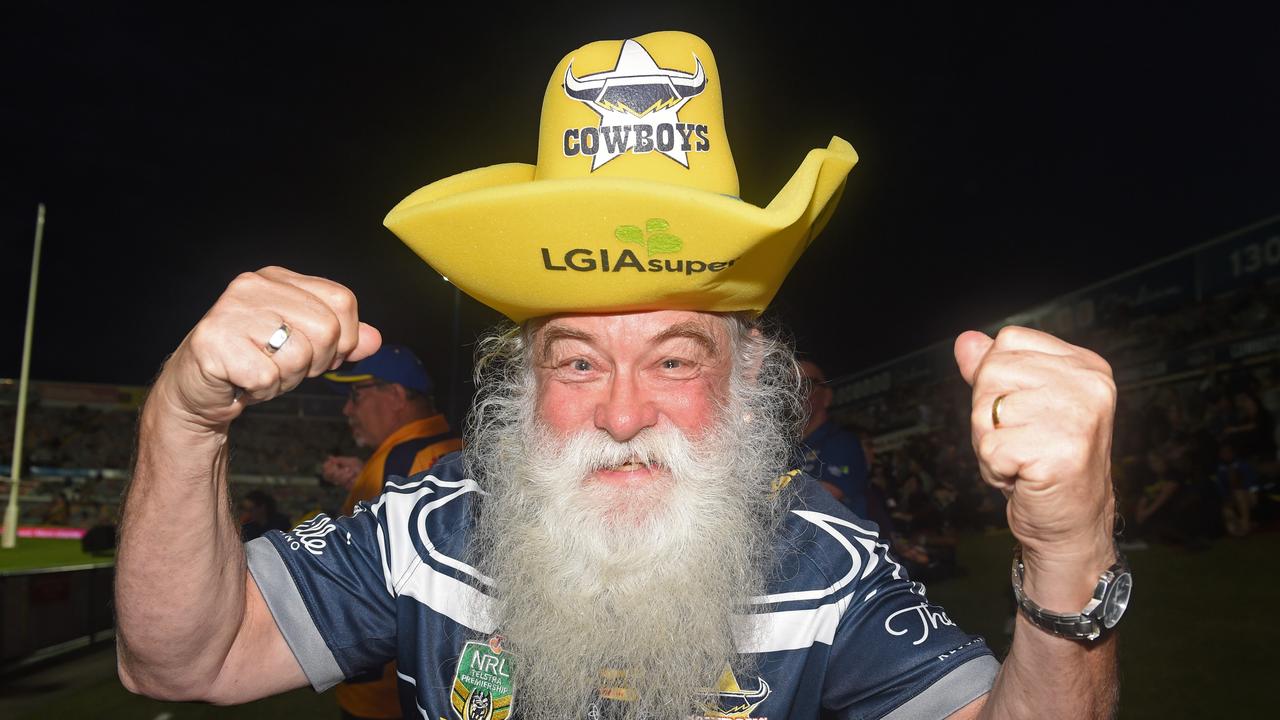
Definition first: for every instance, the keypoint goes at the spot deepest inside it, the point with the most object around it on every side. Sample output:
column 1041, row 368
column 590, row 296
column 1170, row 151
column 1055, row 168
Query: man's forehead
column 632, row 327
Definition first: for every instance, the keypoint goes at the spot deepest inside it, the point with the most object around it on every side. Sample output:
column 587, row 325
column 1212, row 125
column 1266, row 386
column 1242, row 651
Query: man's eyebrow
column 691, row 331
column 554, row 333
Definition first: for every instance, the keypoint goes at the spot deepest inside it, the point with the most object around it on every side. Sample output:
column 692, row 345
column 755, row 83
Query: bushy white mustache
column 587, row 452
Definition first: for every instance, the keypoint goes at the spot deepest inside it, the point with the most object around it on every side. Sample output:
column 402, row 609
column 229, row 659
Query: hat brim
column 533, row 248
column 340, row 382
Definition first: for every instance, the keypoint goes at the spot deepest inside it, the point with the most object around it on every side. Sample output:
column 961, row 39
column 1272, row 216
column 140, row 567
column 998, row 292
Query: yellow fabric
column 632, row 230
column 380, row 698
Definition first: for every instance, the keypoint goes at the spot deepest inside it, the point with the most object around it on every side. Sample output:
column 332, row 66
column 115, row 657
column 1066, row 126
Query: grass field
column 1196, row 642
column 39, row 553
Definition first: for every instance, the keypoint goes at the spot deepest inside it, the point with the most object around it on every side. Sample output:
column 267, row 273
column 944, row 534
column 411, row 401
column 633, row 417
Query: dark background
column 1008, row 155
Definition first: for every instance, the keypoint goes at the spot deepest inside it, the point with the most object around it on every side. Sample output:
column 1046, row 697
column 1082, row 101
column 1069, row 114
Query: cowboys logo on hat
column 633, row 204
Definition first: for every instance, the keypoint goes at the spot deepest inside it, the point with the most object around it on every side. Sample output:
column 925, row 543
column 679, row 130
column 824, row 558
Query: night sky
column 1008, row 156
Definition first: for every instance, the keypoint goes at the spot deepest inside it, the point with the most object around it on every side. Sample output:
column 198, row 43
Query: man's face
column 623, row 374
column 371, row 412
column 628, row 463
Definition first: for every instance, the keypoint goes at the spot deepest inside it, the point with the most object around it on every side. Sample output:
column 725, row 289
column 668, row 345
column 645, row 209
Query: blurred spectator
column 829, row 453
column 59, row 512
column 258, row 514
column 390, row 408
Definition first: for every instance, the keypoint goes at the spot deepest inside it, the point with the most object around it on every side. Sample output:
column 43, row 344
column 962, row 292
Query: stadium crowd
column 1195, row 454
column 77, row 459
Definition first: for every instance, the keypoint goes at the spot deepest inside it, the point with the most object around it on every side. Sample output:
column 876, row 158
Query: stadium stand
column 1194, row 340
column 79, row 441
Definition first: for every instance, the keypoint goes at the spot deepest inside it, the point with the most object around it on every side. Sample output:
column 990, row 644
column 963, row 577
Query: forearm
column 1046, row 676
column 180, row 573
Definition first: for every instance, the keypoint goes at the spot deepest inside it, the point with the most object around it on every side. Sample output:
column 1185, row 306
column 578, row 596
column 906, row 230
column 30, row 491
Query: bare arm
column 192, row 623
column 1050, row 453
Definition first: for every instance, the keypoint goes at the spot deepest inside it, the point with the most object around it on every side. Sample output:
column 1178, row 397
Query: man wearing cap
column 390, row 408
column 623, row 535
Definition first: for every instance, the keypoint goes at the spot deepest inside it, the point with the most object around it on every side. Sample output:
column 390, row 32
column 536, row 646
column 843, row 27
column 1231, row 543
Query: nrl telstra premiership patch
column 482, row 688
column 639, row 105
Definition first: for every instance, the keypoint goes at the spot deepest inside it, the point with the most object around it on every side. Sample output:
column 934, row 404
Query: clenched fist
column 229, row 360
column 1051, row 451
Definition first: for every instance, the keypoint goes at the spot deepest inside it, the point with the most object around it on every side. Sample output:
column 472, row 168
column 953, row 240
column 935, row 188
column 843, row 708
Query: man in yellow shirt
column 389, row 407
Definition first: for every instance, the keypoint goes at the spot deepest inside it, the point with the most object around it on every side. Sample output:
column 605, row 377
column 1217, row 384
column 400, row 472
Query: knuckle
column 1010, row 333
column 988, row 446
column 245, row 279
column 978, row 416
column 1102, row 388
column 265, row 376
column 327, row 335
column 341, row 299
column 1104, row 367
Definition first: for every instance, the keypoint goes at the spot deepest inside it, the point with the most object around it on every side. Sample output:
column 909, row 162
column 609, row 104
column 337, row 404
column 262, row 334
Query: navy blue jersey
column 841, row 628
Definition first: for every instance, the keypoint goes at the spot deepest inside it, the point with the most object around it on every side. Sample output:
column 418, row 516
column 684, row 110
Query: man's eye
column 580, row 365
column 672, row 364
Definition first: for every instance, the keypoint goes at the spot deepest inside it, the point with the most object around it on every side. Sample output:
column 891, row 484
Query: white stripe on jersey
column 412, row 576
column 400, row 558
column 452, row 598
column 464, row 487
column 796, row 629
column 825, row 522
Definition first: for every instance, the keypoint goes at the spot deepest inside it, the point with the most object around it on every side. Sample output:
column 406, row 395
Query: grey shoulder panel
column 291, row 615
column 951, row 692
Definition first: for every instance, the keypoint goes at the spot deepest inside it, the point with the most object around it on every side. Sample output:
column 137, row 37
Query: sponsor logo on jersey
column 654, row 238
column 730, row 700
column 929, row 617
column 639, row 105
column 482, row 686
column 310, row 534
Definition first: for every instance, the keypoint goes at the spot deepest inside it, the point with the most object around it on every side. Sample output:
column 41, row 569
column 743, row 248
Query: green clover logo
column 654, row 237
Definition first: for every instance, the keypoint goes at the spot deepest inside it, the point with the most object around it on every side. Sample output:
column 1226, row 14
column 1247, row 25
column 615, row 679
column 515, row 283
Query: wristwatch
column 1109, row 601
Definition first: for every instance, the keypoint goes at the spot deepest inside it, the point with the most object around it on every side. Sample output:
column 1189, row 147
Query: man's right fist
column 227, row 361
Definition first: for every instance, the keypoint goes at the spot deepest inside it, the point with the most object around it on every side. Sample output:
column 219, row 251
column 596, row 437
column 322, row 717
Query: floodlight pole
column 10, row 539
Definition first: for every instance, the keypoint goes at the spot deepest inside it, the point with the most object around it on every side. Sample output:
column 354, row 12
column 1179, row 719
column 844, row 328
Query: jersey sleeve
column 328, row 585
column 896, row 655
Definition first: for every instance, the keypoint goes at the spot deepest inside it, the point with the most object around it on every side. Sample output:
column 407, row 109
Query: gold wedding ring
column 995, row 410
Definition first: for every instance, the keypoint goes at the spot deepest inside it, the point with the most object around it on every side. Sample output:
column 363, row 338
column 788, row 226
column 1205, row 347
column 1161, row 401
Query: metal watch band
column 1076, row 627
column 1085, row 625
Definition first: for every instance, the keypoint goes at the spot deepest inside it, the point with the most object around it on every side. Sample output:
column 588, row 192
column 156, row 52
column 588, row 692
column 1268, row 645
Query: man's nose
column 626, row 411
column 349, row 406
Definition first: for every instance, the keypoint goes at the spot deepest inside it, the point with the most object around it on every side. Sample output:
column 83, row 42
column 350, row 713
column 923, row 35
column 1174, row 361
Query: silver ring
column 278, row 339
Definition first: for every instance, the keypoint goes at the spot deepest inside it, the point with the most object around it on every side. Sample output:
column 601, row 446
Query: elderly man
column 622, row 536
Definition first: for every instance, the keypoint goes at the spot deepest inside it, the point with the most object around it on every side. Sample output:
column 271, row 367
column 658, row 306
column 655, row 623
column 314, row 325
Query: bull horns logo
column 637, row 92
column 636, row 85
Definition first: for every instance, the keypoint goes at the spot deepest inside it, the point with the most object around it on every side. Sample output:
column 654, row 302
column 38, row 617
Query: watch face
column 1117, row 600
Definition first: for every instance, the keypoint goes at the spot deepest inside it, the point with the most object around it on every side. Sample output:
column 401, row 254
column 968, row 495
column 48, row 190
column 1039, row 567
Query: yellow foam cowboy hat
column 633, row 204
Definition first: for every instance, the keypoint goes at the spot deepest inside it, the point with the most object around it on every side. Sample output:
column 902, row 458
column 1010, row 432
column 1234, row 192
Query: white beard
column 645, row 578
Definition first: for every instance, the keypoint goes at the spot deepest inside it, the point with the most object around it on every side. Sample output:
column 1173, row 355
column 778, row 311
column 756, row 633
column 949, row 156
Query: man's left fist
column 1051, row 452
